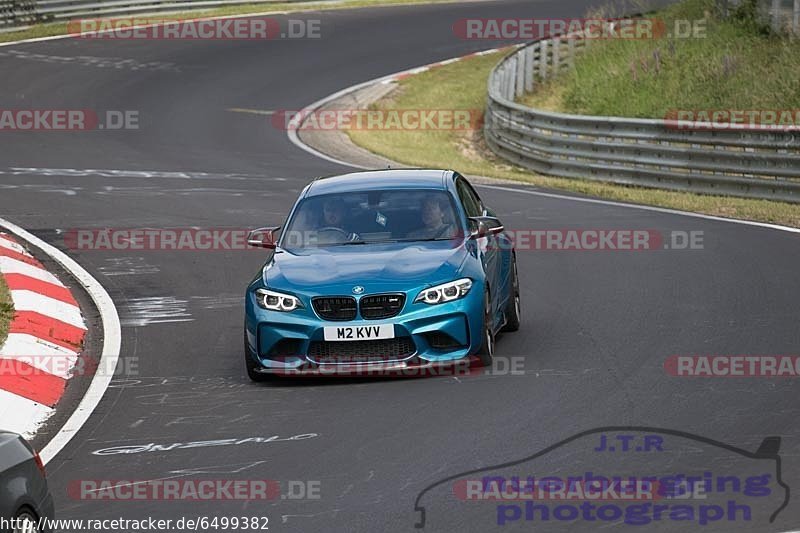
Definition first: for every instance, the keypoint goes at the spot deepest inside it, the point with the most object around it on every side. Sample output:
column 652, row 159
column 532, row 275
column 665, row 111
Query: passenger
column 436, row 227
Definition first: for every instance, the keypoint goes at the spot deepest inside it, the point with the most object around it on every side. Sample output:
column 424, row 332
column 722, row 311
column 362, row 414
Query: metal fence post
column 556, row 51
column 505, row 81
column 512, row 71
column 776, row 15
column 509, row 92
column 571, row 52
column 519, row 76
column 543, row 60
column 529, row 67
column 796, row 18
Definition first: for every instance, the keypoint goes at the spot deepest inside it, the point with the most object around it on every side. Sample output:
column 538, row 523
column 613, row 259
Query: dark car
column 26, row 504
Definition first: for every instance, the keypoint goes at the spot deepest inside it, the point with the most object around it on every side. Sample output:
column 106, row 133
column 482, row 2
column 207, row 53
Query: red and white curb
column 111, row 334
column 44, row 341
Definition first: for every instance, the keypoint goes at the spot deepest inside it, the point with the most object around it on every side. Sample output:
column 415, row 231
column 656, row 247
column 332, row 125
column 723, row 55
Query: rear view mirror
column 485, row 226
column 263, row 237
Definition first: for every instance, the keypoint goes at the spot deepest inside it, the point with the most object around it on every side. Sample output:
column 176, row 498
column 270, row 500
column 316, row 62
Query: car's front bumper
column 441, row 336
column 413, row 367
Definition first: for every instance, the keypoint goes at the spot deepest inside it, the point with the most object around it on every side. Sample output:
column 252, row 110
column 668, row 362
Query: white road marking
column 251, row 111
column 141, row 312
column 127, row 266
column 225, row 17
column 219, row 17
column 221, row 469
column 309, row 109
column 642, row 207
column 152, row 447
column 93, row 61
column 117, row 173
column 219, row 302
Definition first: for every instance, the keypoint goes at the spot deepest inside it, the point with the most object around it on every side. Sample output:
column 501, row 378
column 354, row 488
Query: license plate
column 359, row 333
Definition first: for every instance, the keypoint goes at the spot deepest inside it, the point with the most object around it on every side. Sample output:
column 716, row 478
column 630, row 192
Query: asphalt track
column 596, row 331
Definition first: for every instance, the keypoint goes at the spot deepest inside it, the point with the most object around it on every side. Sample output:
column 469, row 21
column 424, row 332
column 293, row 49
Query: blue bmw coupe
column 396, row 269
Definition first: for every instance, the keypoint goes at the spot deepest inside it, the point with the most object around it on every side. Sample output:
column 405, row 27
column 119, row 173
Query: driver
column 333, row 227
column 333, row 211
column 433, row 217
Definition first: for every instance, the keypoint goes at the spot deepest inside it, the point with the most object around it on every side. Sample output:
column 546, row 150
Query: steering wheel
column 333, row 228
column 346, row 236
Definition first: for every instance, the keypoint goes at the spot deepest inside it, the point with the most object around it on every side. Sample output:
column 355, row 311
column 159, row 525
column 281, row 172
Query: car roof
column 8, row 436
column 371, row 180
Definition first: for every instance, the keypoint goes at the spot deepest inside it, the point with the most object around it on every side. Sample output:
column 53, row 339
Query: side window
column 471, row 202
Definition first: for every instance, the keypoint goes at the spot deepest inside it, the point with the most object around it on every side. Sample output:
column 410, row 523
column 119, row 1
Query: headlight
column 447, row 292
column 277, row 301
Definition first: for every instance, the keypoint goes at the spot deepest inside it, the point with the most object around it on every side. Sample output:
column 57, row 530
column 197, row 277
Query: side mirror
column 484, row 226
column 263, row 237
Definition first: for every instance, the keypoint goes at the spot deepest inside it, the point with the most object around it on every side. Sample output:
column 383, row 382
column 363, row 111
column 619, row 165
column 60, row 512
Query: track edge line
column 295, row 139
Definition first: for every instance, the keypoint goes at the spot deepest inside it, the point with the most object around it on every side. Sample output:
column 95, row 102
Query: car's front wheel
column 513, row 307
column 25, row 522
column 486, row 351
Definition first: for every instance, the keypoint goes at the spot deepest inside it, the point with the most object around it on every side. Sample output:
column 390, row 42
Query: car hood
column 376, row 267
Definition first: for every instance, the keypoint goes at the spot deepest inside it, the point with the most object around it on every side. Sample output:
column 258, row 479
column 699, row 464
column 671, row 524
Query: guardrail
column 643, row 152
column 16, row 13
column 782, row 16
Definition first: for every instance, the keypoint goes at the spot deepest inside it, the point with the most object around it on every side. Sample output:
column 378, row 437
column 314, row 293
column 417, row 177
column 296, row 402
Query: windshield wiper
column 382, row 241
column 348, row 243
column 426, row 240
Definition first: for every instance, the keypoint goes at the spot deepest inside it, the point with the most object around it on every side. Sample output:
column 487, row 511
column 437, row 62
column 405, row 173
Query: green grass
column 6, row 309
column 60, row 28
column 737, row 65
column 462, row 85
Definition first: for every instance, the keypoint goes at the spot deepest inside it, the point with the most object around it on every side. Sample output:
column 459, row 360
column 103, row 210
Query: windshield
column 372, row 217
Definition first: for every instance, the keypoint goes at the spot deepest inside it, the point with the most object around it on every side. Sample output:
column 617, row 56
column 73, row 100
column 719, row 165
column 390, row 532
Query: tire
column 513, row 310
column 486, row 351
column 31, row 522
column 251, row 365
